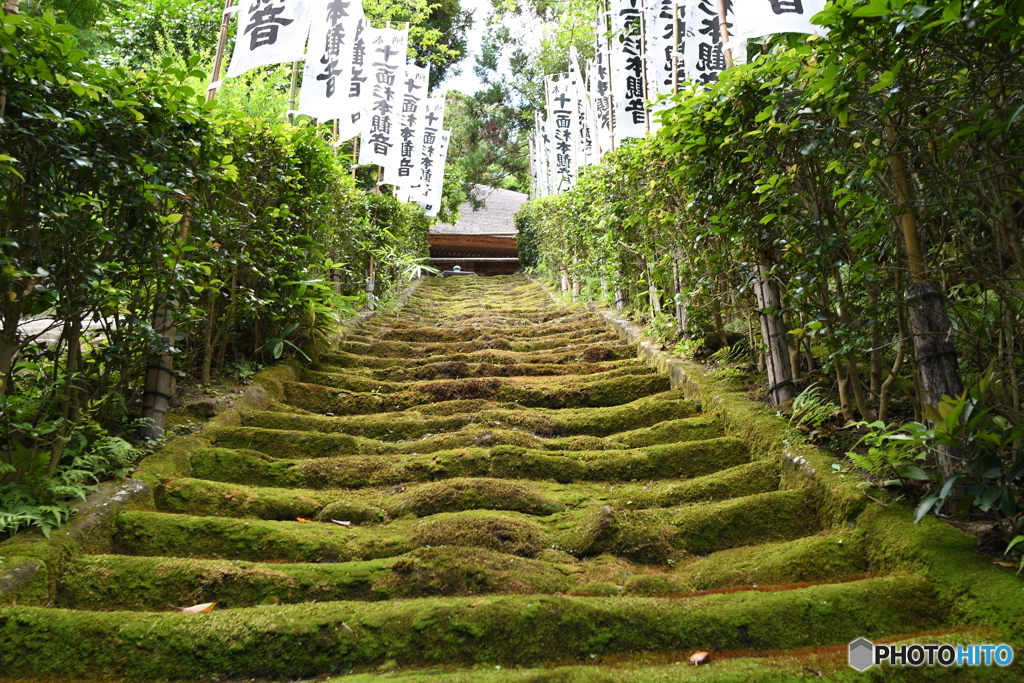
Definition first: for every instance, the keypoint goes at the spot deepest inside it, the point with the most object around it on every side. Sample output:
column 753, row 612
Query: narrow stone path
column 485, row 479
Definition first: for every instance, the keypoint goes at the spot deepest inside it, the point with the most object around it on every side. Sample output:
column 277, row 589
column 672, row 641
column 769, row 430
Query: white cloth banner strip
column 353, row 113
column 413, row 89
column 600, row 87
column 386, row 53
column 660, row 32
column 328, row 71
column 756, row 18
column 564, row 114
column 584, row 141
column 433, row 201
column 424, row 152
column 270, row 32
column 627, row 71
column 703, row 52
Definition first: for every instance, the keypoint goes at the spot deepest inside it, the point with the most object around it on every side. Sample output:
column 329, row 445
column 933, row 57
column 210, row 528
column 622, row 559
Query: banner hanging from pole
column 627, row 71
column 756, row 18
column 270, row 32
column 435, row 188
column 703, row 52
column 413, row 88
column 424, row 149
column 327, row 76
column 563, row 113
column 386, row 54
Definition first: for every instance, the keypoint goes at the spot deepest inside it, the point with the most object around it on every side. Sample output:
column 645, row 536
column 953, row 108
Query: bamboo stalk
column 222, row 41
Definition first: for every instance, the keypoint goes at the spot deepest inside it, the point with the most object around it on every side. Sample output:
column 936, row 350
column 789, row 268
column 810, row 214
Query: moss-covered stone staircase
column 488, row 486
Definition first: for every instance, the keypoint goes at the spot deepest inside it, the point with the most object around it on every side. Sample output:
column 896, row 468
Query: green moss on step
column 734, row 482
column 292, row 641
column 475, row 493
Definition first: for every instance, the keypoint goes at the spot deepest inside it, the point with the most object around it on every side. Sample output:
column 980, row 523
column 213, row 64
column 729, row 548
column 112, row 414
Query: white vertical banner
column 756, row 18
column 593, row 119
column 627, row 70
column 552, row 154
column 328, row 72
column 564, row 113
column 270, row 32
column 704, row 56
column 413, row 89
column 432, row 204
column 600, row 88
column 385, row 52
column 660, row 47
column 585, row 143
column 540, row 132
column 352, row 118
column 423, row 151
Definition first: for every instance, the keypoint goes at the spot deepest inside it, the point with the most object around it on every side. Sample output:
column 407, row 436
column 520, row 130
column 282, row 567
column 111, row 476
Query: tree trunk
column 937, row 366
column 565, row 286
column 159, row 387
column 773, row 331
column 371, row 285
column 621, row 299
column 575, row 290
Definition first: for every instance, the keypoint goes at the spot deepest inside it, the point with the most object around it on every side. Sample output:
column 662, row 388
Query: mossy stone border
column 33, row 564
column 976, row 592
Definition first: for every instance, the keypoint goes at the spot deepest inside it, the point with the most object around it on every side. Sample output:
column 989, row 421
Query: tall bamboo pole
column 293, row 91
column 724, row 26
column 222, row 41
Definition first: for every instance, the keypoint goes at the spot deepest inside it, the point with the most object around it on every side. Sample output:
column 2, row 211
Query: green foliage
column 127, row 205
column 890, row 453
column 812, row 409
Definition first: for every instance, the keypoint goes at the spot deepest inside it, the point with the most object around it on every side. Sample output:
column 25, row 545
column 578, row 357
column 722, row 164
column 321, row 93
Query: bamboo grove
column 817, row 202
column 139, row 223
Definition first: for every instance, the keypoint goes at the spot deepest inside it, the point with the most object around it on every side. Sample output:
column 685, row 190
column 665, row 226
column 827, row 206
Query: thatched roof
column 494, row 218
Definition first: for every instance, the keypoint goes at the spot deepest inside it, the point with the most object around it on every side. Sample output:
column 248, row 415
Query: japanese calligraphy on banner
column 661, row 33
column 425, row 150
column 270, row 32
column 354, row 113
column 385, row 53
column 704, row 56
column 413, row 89
column 585, row 144
column 563, row 112
column 755, row 18
column 432, row 204
column 541, row 155
column 327, row 75
column 600, row 86
column 627, row 71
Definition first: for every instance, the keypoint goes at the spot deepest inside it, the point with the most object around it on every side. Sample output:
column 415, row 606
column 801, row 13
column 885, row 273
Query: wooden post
column 159, row 384
column 293, row 91
column 10, row 7
column 611, row 98
column 773, row 331
column 675, row 49
column 724, row 26
column 355, row 155
column 222, row 41
column 938, row 367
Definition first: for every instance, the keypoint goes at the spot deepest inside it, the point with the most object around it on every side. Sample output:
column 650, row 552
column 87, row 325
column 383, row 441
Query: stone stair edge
column 983, row 594
column 32, row 564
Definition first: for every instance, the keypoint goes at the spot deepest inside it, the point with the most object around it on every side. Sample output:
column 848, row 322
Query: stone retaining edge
column 33, row 564
column 965, row 582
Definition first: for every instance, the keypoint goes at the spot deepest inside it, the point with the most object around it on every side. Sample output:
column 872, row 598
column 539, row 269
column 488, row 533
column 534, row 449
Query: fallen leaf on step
column 336, row 521
column 1006, row 564
column 302, row 519
column 195, row 609
column 270, row 601
column 700, row 657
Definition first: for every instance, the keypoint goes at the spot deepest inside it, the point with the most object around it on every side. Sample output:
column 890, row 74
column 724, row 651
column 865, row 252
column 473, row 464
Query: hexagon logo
column 862, row 654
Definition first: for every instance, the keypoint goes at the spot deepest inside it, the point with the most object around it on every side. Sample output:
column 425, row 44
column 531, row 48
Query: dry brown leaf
column 196, row 609
column 700, row 657
column 1006, row 564
column 302, row 519
column 339, row 522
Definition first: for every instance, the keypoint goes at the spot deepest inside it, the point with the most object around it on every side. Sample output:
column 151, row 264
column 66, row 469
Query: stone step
column 293, row 641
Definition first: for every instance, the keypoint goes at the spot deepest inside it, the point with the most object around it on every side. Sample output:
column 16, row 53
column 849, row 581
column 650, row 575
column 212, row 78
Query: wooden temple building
column 483, row 241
